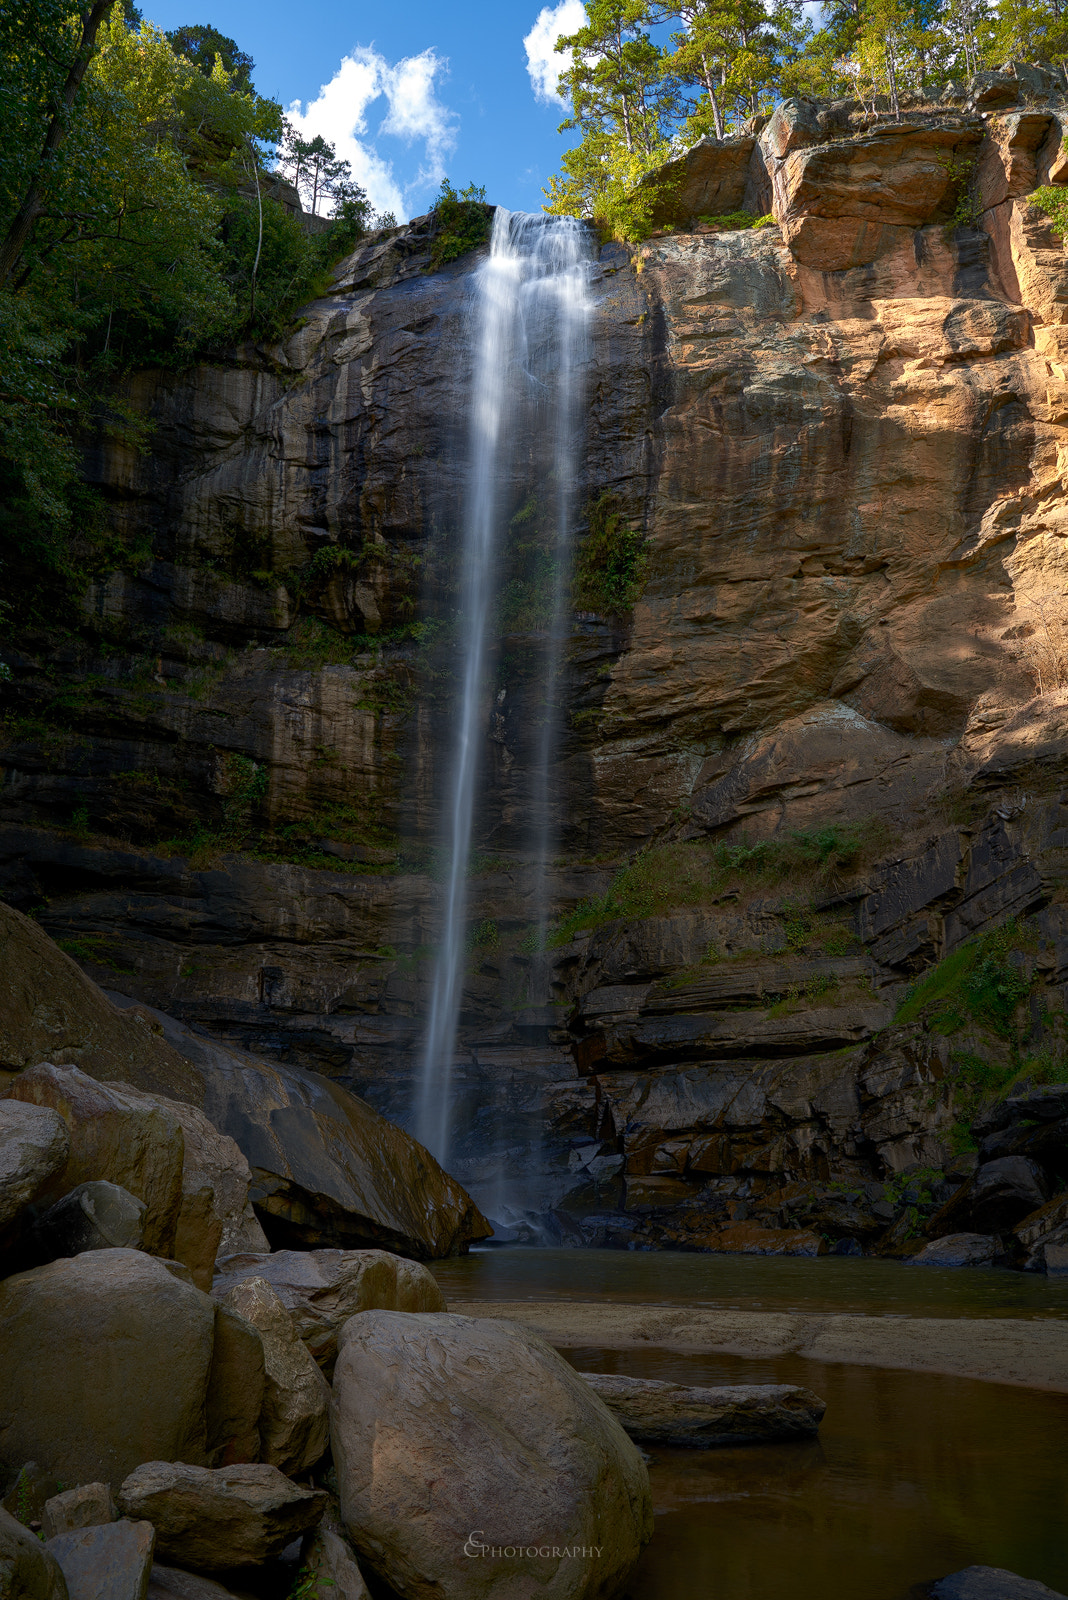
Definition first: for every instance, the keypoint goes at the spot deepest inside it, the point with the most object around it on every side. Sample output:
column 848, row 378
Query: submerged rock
column 473, row 1461
column 990, row 1583
column 234, row 1517
column 653, row 1412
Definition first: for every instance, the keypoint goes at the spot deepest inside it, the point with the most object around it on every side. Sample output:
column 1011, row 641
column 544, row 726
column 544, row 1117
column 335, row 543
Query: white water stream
column 527, row 339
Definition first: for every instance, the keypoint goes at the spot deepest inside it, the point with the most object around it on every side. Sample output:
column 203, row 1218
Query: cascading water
column 527, row 336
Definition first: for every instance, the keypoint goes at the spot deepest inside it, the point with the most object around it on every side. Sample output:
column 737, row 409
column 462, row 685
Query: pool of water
column 750, row 1283
column 912, row 1477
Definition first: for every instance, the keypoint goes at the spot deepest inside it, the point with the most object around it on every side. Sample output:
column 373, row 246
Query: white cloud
column 543, row 63
column 414, row 114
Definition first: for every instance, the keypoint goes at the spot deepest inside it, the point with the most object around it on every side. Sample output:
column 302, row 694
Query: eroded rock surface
column 233, row 1517
column 653, row 1412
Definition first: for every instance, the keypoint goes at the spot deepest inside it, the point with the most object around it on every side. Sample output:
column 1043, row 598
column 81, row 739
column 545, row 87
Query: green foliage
column 698, row 872
column 611, row 562
column 1053, row 201
column 737, row 220
column 485, row 935
column 977, row 981
column 462, row 222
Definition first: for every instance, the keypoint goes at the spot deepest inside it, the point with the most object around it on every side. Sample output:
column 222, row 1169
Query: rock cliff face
column 834, row 721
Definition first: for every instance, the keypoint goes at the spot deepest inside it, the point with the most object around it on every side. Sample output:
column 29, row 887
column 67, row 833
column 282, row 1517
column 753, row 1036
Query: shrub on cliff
column 462, row 222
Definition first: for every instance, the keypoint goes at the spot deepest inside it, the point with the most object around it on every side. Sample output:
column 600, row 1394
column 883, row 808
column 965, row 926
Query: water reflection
column 913, row 1476
column 750, row 1283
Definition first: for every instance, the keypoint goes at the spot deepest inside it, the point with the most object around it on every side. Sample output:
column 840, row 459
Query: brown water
column 913, row 1475
column 750, row 1283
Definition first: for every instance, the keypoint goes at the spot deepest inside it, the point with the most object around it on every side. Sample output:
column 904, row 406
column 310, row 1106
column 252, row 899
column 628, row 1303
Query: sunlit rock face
column 842, row 437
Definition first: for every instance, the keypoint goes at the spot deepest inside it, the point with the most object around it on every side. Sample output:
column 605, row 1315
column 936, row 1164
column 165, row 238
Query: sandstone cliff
column 834, row 721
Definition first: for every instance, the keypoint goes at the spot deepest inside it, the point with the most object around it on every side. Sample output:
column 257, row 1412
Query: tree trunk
column 710, row 85
column 19, row 231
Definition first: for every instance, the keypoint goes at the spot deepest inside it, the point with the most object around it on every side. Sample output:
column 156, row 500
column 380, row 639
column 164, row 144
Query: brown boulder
column 104, row 1361
column 236, row 1516
column 708, row 179
column 88, row 1506
column 321, row 1289
column 448, row 1428
column 118, row 1134
column 293, row 1426
column 236, row 1385
column 330, row 1561
column 50, row 1011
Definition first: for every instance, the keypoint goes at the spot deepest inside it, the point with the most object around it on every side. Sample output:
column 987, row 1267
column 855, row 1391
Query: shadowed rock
column 653, row 1412
column 34, row 1144
column 234, row 1517
column 957, row 1250
column 88, row 1506
column 27, row 1570
column 112, row 1562
column 990, row 1583
column 293, row 1426
column 321, row 1289
column 94, row 1216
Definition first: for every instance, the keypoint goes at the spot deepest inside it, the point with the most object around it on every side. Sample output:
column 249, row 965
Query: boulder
column 216, row 1215
column 1056, row 1259
column 997, row 1196
column 990, row 1583
column 118, row 1134
column 34, row 1144
column 321, row 1289
column 88, row 1506
column 112, row 1562
column 104, row 1362
column 652, row 1412
column 237, row 1516
column 27, row 1570
column 708, row 179
column 1045, row 1228
column 50, row 1011
column 329, row 1561
column 957, row 1250
column 448, row 1429
column 327, row 1170
column 294, row 1427
column 94, row 1216
column 30, row 1493
column 170, row 1583
column 236, row 1386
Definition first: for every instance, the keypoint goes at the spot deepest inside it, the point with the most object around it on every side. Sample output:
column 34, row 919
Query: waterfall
column 527, row 338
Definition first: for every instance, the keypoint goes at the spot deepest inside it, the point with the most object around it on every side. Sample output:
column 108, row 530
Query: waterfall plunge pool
column 913, row 1476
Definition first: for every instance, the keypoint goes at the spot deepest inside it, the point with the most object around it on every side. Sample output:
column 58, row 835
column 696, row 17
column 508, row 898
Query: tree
column 312, row 166
column 732, row 52
column 200, row 44
column 616, row 79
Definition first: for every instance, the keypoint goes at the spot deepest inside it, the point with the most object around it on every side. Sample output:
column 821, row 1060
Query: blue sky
column 412, row 90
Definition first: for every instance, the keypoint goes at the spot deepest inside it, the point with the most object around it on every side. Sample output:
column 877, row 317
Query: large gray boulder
column 104, row 1363
column 453, row 1436
column 27, row 1570
column 88, row 1506
column 236, row 1516
column 34, row 1144
column 171, row 1583
column 653, row 1412
column 110, row 1562
column 294, row 1427
column 321, row 1289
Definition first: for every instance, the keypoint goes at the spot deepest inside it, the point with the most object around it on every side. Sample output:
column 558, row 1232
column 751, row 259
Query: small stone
column 94, row 1216
column 27, row 1570
column 106, row 1563
column 654, row 1412
column 88, row 1506
column 294, row 1423
column 209, row 1520
column 957, row 1250
column 34, row 1144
